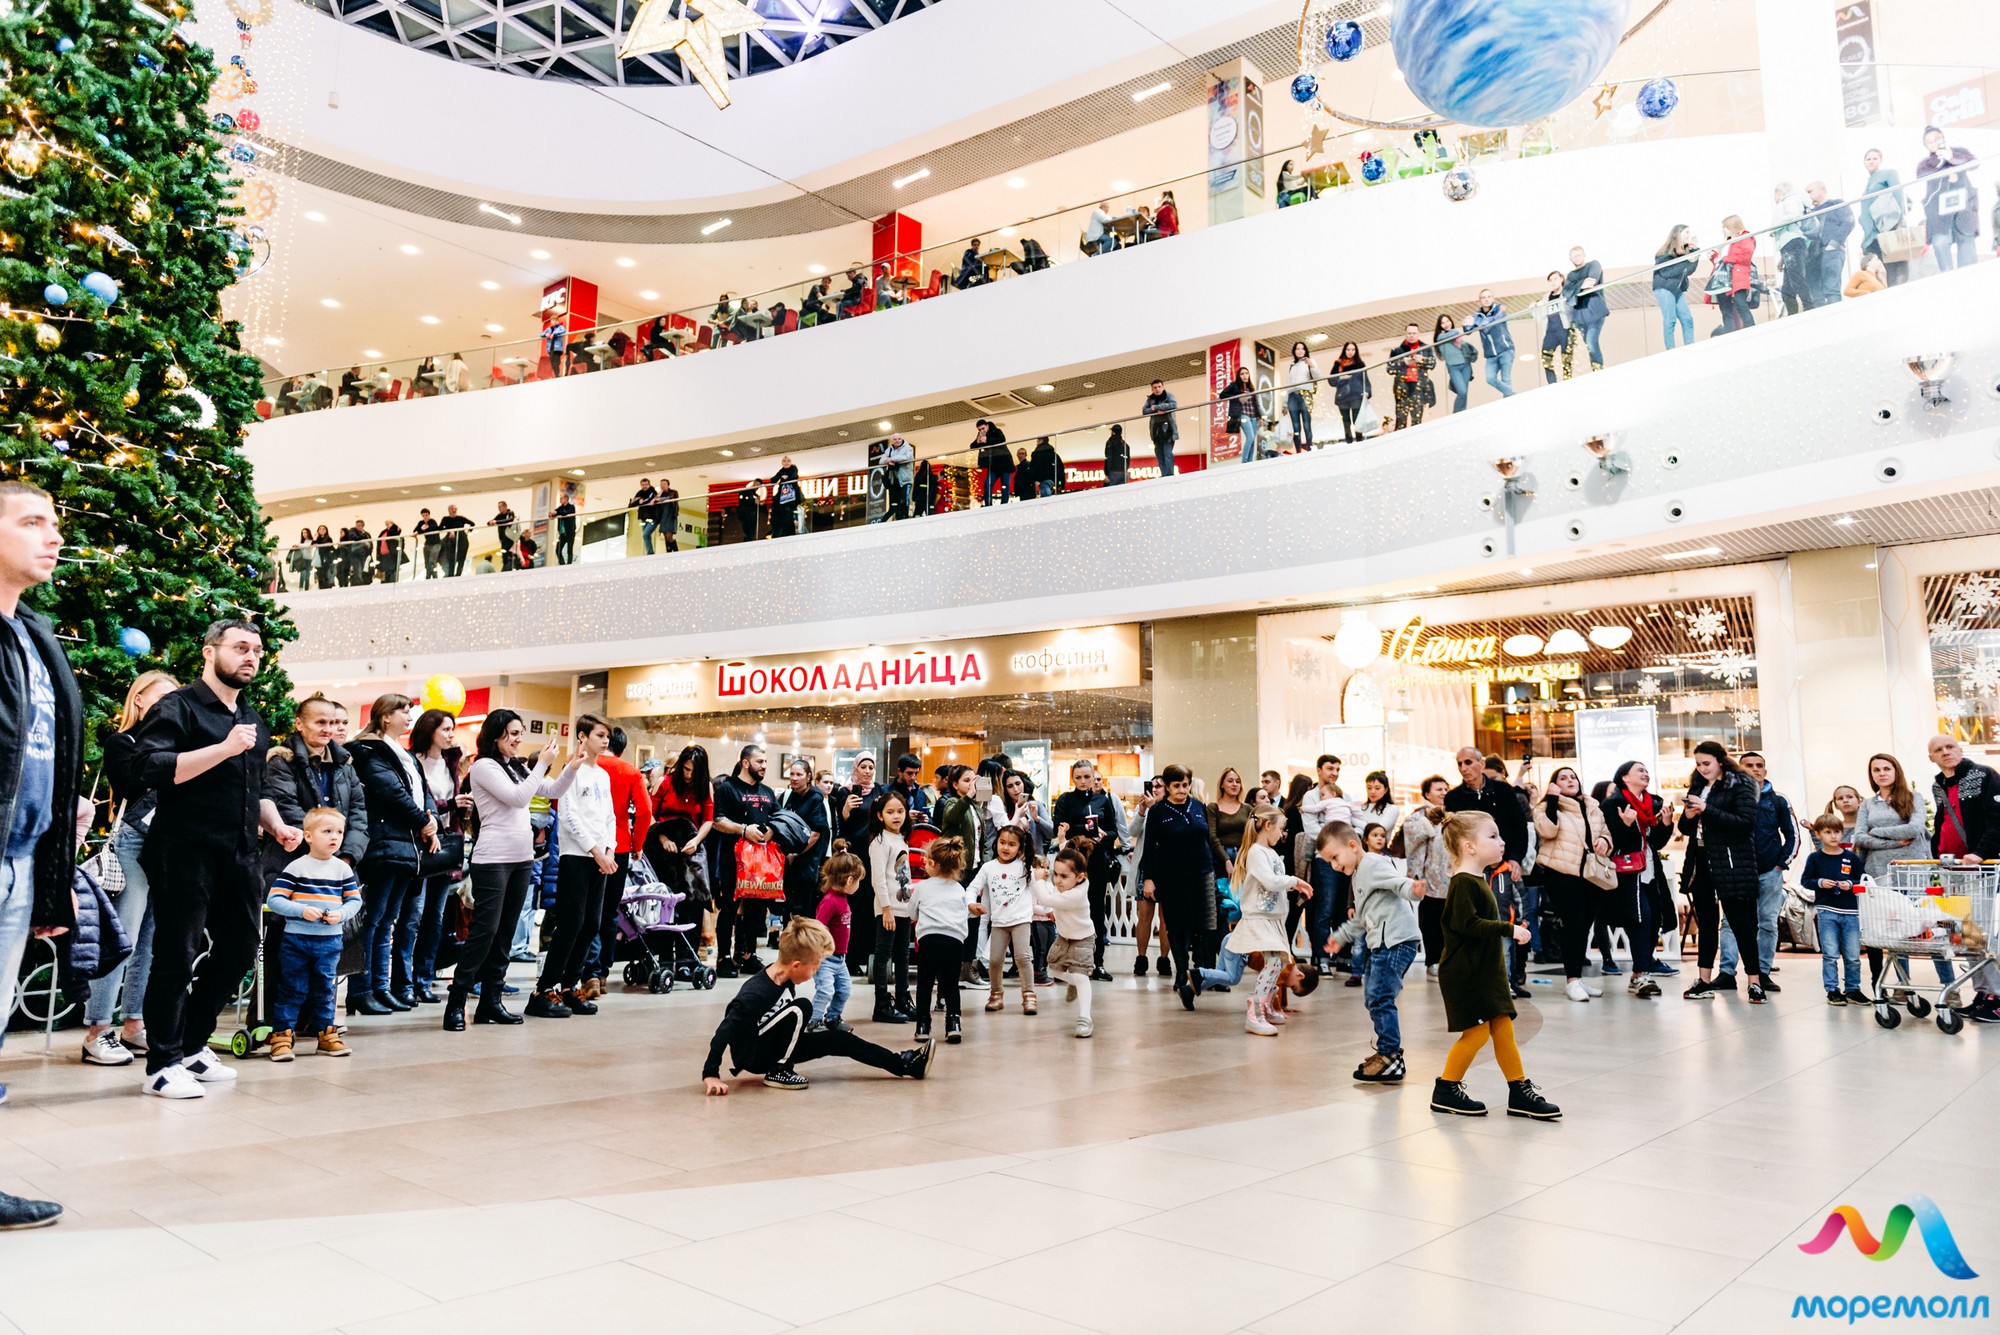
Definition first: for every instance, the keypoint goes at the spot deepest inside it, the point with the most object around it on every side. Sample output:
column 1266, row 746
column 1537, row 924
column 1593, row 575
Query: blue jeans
column 1531, row 913
column 1228, row 970
column 1839, row 940
column 1460, row 376
column 1590, row 330
column 385, row 894
column 1319, row 918
column 1674, row 314
column 1163, row 451
column 1500, row 371
column 992, row 481
column 1386, row 967
column 1302, row 422
column 17, row 907
column 135, row 912
column 1770, row 899
column 1249, row 426
column 409, row 927
column 305, row 982
column 647, row 529
column 1045, row 487
column 831, row 988
column 1959, row 251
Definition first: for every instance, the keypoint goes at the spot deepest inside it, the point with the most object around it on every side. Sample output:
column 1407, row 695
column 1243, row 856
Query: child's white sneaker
column 1575, row 990
column 1083, row 1029
column 1254, row 1021
column 173, row 1083
column 1592, row 988
column 206, row 1067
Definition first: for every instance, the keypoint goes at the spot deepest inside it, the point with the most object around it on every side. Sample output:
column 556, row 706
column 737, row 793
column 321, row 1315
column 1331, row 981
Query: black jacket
column 1117, row 455
column 1978, row 807
column 1501, row 801
column 98, row 944
column 291, row 785
column 394, row 816
column 128, row 790
column 1048, row 466
column 1724, row 849
column 55, row 852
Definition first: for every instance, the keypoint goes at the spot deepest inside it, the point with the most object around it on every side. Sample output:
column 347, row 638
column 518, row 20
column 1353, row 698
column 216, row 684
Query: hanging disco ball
column 1460, row 184
column 1657, row 98
column 1305, row 87
column 1344, row 40
column 1499, row 63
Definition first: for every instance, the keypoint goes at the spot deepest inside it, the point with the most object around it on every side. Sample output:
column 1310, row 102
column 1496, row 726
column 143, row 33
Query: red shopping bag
column 760, row 870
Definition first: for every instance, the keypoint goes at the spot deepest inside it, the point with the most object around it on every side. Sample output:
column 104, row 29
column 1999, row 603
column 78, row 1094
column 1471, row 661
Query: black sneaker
column 1724, row 982
column 1139, row 969
column 1836, row 999
column 18, row 1212
column 1521, row 993
column 1771, row 989
column 1524, row 1100
column 1756, row 995
column 951, row 1034
column 916, row 1063
column 1186, row 993
column 786, row 1078
column 546, row 1006
column 726, row 968
column 1856, row 997
column 1098, row 975
column 1449, row 1096
column 1985, row 1011
column 1164, row 966
column 923, row 1029
column 888, row 1012
column 1699, row 992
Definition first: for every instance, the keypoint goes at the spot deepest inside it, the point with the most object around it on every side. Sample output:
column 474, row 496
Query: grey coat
column 1880, row 834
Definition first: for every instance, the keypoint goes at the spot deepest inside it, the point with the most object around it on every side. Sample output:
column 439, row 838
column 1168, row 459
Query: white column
column 1804, row 117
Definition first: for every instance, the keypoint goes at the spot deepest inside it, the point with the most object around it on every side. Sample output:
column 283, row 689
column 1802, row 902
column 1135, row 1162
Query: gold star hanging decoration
column 1601, row 101
column 696, row 37
column 1315, row 142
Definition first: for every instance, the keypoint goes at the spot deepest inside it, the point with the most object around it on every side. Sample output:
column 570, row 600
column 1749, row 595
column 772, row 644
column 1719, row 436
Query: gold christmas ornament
column 24, row 155
column 142, row 212
column 47, row 335
column 131, row 399
column 175, row 377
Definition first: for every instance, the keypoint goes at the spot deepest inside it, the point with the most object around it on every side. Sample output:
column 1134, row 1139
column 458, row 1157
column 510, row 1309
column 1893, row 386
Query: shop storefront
column 1527, row 676
column 1044, row 699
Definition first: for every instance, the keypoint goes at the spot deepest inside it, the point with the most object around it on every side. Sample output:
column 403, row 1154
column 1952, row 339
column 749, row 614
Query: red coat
column 1742, row 254
column 631, row 808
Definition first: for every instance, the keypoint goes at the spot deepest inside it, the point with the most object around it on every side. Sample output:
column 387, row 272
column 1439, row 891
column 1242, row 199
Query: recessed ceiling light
column 1529, row 571
column 329, row 303
column 918, row 416
column 1090, row 384
column 428, row 319
column 917, row 175
column 727, row 454
column 815, row 268
column 649, row 295
column 715, row 226
column 1045, row 389
column 319, row 500
column 314, row 215
column 1195, row 362
column 1120, row 187
column 492, row 328
column 1317, row 338
column 538, row 254
column 410, row 250
column 1017, row 182
column 1844, row 519
column 626, row 261
column 1006, row 231
column 576, row 472
column 884, row 426
column 490, row 285
column 843, row 433
column 444, row 488
column 513, row 218
column 1154, row 91
column 270, row 342
column 1698, row 551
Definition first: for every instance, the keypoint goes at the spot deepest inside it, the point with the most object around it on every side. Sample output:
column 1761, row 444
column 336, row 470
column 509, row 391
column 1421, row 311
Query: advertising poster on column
column 1223, row 360
column 1607, row 738
column 1860, row 86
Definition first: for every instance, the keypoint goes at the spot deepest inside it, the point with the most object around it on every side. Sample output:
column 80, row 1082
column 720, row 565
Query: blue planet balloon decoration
column 1658, row 98
column 1460, row 184
column 56, row 294
column 135, row 642
column 1497, row 63
column 1373, row 168
column 101, row 286
column 1304, row 87
column 1344, row 40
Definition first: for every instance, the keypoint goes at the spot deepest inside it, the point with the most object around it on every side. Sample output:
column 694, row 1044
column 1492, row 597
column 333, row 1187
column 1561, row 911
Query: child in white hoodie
column 1385, row 920
column 938, row 904
column 1074, row 954
column 1002, row 887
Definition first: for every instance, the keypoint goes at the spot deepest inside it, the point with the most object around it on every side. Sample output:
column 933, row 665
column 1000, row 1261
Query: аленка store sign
column 1062, row 660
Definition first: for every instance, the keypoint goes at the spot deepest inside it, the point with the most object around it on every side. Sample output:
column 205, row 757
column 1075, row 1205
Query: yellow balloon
column 444, row 692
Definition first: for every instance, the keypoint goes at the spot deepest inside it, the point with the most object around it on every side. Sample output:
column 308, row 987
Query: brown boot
column 281, row 1045
column 331, row 1045
column 1028, row 1005
column 994, row 1001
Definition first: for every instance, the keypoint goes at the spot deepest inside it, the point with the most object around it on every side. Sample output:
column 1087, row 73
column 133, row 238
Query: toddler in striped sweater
column 314, row 894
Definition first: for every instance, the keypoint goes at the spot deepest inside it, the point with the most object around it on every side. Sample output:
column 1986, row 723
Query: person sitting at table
column 457, row 375
column 777, row 314
column 580, row 358
column 658, row 342
column 287, row 398
column 750, row 322
column 1033, row 257
column 1098, row 238
column 1144, row 230
column 1167, row 217
column 817, row 308
column 621, row 345
column 856, row 295
column 350, row 385
column 723, row 315
column 424, row 383
column 1291, row 185
column 886, row 292
column 971, row 269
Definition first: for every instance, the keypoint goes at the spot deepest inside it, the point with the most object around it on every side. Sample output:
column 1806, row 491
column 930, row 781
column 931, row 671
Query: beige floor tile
column 943, row 1308
column 1322, row 1238
column 50, row 1260
column 1128, row 1171
column 1408, row 1190
column 701, row 1213
column 1122, row 1283
column 888, row 1262
column 1414, row 1302
column 1741, row 1229
column 615, row 1296
column 1000, row 1214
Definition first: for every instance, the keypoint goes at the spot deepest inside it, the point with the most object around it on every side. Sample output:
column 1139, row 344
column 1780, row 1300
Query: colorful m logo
column 1919, row 1209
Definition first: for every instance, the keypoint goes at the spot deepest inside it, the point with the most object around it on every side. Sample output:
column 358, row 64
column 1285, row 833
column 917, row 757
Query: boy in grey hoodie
column 1385, row 917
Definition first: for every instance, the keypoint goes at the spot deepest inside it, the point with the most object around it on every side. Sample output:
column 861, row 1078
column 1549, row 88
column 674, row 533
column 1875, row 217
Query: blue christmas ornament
column 1460, row 184
column 224, row 122
column 65, row 45
column 56, row 294
column 101, row 286
column 1498, row 63
column 135, row 642
column 243, row 153
column 1373, row 168
column 1658, row 98
column 103, row 142
column 1344, row 40
column 1304, row 87
column 147, row 61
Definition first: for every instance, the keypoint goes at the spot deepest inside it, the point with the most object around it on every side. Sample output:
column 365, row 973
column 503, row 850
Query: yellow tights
column 1459, row 1060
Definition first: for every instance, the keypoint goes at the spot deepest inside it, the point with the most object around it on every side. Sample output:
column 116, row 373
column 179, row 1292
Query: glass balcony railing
column 1815, row 255
column 1717, row 102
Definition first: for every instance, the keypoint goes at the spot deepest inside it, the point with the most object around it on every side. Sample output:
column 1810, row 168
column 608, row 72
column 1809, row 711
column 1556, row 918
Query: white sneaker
column 1591, row 987
column 206, row 1067
column 1083, row 1029
column 1431, row 972
column 173, row 1083
column 1575, row 991
column 1254, row 1022
column 105, row 1050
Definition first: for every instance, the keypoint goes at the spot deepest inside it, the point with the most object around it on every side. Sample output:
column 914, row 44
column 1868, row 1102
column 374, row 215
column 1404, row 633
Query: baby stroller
column 664, row 899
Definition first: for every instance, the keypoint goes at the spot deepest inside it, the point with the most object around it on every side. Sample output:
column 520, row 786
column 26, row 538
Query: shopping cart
column 1928, row 909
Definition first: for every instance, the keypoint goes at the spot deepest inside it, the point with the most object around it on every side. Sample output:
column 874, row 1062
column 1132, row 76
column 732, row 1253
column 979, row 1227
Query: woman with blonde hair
column 132, row 813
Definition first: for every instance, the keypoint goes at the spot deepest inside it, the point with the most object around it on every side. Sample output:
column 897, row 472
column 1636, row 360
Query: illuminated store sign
column 1106, row 656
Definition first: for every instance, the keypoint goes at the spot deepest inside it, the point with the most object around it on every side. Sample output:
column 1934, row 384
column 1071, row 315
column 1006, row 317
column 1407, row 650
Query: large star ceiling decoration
column 696, row 36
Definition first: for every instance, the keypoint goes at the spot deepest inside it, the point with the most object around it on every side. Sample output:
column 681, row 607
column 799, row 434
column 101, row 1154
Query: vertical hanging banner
column 1235, row 141
column 1860, row 85
column 1223, row 359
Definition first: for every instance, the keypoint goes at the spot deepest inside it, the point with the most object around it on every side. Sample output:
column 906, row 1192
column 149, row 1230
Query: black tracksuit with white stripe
column 764, row 1030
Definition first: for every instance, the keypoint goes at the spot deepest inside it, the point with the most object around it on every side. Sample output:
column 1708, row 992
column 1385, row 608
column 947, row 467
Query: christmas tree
column 123, row 392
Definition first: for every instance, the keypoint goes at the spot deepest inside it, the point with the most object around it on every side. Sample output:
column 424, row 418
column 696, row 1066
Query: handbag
column 1599, row 871
column 760, row 870
column 103, row 866
column 788, row 493
column 1900, row 244
column 449, row 860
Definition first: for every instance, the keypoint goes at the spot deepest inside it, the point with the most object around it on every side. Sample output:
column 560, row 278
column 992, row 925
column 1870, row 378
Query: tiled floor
column 1171, row 1176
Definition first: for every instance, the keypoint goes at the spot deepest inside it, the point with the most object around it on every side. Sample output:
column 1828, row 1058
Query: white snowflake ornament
column 1648, row 688
column 1745, row 719
column 1975, row 597
column 1707, row 624
column 1983, row 676
column 1733, row 666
